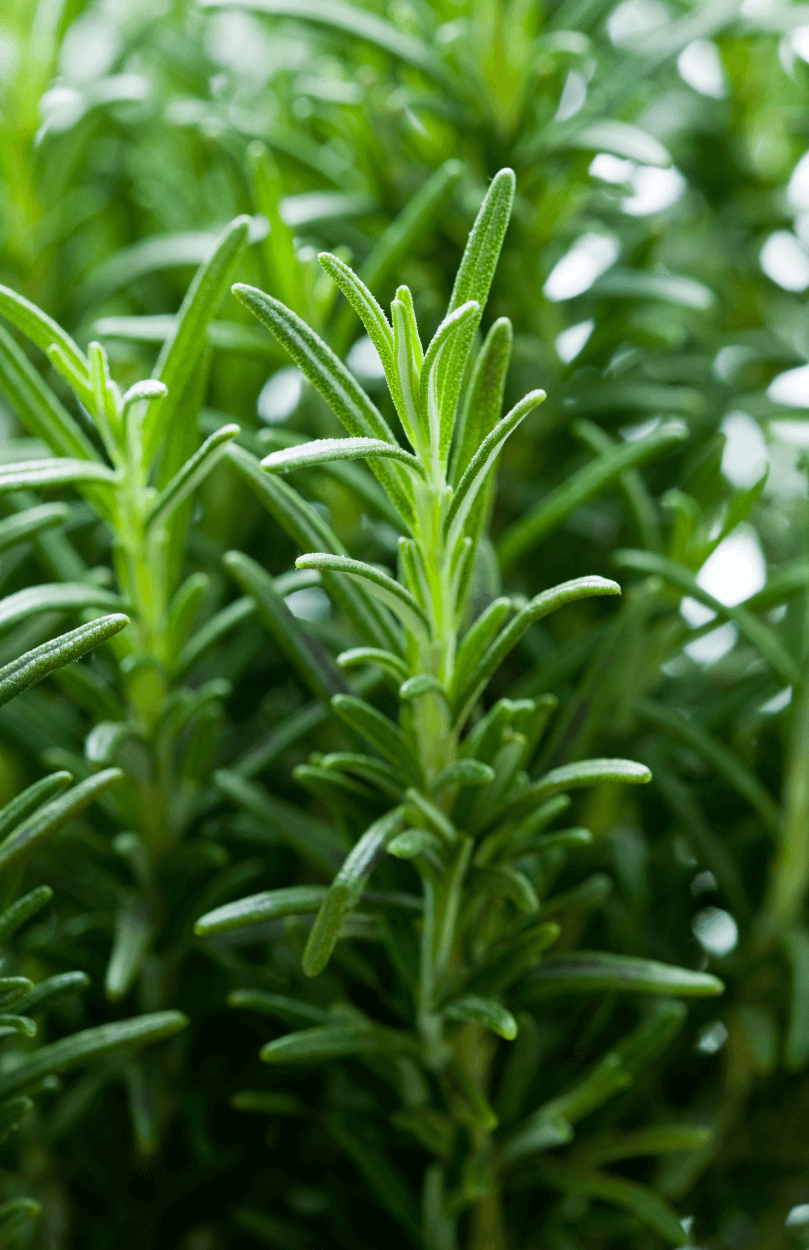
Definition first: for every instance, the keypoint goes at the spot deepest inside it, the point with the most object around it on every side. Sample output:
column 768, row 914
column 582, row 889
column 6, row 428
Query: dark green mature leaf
column 726, row 762
column 483, row 1011
column 28, row 835
column 107, row 1039
column 481, row 667
column 53, row 990
column 649, row 1207
column 380, row 731
column 331, row 1041
column 34, row 665
column 12, row 1114
column 24, row 908
column 346, row 890
column 585, row 972
column 758, row 632
column 292, row 900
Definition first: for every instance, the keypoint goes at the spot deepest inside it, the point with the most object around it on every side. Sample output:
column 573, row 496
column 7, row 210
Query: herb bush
column 398, row 1103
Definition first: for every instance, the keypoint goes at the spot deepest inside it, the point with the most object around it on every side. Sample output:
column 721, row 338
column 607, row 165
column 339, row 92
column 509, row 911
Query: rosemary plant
column 447, row 786
column 136, row 458
column 26, row 822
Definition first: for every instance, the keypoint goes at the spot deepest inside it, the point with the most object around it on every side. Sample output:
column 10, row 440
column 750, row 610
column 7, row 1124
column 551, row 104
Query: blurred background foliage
column 655, row 272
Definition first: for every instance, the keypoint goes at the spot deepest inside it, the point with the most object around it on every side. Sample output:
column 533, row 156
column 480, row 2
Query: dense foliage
column 332, row 912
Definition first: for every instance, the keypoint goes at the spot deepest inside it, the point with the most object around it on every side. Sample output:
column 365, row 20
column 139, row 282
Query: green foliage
column 372, row 785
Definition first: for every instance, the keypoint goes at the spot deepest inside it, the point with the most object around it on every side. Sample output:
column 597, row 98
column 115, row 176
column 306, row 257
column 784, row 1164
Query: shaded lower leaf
column 585, row 972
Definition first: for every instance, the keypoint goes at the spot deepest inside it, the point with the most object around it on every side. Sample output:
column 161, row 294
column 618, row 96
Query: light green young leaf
column 317, row 362
column 421, row 684
column 540, row 606
column 107, row 1039
column 37, row 407
column 408, row 357
column 477, row 638
column 181, row 354
column 346, row 890
column 386, row 737
column 485, row 1011
column 303, row 650
column 149, row 389
column 412, row 842
column 484, row 396
column 562, row 500
column 40, row 474
column 368, row 768
column 381, row 585
column 364, row 305
column 292, row 900
column 181, row 613
column 473, row 282
column 479, row 466
column 587, row 972
column 27, row 836
column 574, row 777
column 287, row 275
column 436, row 420
column 55, row 597
column 324, row 450
column 34, row 665
column 463, row 773
column 190, row 476
column 40, row 328
column 386, row 660
column 435, row 819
